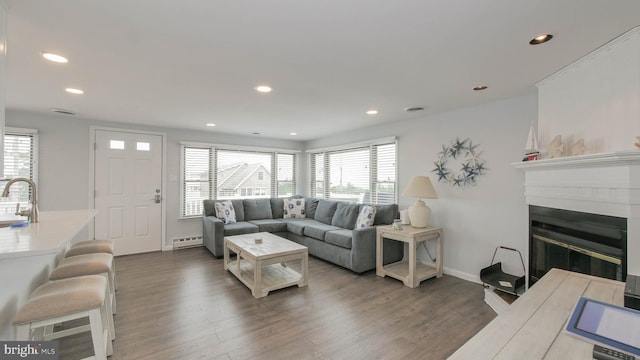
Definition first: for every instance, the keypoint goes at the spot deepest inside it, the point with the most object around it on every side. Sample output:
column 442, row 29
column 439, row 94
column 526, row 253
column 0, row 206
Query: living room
column 476, row 219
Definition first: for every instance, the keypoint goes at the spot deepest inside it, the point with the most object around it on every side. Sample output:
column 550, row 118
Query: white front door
column 128, row 189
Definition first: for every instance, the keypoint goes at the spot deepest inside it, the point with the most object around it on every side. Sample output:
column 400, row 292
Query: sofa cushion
column 238, row 205
column 325, row 211
column 346, row 215
column 257, row 209
column 340, row 238
column 296, row 226
column 277, row 207
column 240, row 228
column 385, row 214
column 226, row 212
column 317, row 231
column 270, row 225
column 310, row 206
column 366, row 217
column 293, row 208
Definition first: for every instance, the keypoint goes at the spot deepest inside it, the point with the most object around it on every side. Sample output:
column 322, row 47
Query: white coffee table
column 262, row 267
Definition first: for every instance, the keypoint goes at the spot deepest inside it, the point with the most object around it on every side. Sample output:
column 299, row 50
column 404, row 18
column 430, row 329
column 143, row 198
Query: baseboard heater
column 187, row 242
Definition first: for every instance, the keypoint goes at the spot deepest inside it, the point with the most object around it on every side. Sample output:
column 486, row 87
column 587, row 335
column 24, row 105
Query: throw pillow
column 293, row 209
column 226, row 212
column 366, row 217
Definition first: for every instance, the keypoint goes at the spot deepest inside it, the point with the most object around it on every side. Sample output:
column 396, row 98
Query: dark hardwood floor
column 183, row 305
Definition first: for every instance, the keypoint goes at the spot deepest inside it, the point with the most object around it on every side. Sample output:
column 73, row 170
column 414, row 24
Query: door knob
column 157, row 198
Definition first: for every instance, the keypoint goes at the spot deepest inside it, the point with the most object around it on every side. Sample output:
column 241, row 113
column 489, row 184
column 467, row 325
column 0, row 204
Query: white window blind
column 349, row 177
column 365, row 174
column 286, row 170
column 198, row 179
column 217, row 173
column 20, row 160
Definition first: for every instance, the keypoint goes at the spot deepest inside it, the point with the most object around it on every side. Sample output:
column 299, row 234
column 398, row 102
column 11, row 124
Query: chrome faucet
column 33, row 213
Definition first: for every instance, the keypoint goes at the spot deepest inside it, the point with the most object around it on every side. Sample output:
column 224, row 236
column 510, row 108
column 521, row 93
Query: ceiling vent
column 63, row 111
column 414, row 109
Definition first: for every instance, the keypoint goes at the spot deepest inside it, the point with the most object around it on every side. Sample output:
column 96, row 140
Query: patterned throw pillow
column 293, row 208
column 366, row 217
column 226, row 212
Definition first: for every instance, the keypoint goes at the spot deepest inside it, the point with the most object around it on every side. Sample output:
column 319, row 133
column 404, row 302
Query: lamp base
column 419, row 214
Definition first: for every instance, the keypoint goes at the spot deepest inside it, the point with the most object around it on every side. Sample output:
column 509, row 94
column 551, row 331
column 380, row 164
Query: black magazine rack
column 495, row 277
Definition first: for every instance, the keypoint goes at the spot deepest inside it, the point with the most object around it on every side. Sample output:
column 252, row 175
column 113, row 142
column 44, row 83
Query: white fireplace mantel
column 606, row 184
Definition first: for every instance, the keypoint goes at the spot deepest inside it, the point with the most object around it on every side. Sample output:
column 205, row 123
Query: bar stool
column 65, row 300
column 92, row 247
column 88, row 264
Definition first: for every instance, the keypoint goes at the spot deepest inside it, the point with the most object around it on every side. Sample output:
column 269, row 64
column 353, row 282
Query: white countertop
column 53, row 231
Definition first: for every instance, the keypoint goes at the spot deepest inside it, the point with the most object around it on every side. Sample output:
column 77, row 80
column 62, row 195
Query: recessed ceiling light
column 541, row 39
column 480, row 87
column 63, row 111
column 255, row 133
column 54, row 57
column 414, row 108
column 263, row 88
column 293, row 133
column 211, row 124
column 74, row 91
column 372, row 112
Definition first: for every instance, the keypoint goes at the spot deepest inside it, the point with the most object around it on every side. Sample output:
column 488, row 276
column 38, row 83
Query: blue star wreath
column 469, row 157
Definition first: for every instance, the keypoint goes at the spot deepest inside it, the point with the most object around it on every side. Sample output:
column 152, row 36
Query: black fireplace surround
column 576, row 241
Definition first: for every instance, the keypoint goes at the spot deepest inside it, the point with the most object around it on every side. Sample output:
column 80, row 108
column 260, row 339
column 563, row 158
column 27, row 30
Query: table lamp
column 421, row 188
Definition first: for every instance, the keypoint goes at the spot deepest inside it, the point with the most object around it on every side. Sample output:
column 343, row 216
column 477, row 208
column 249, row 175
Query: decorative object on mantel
column 638, row 143
column 578, row 148
column 556, row 147
column 421, row 188
column 469, row 163
column 531, row 149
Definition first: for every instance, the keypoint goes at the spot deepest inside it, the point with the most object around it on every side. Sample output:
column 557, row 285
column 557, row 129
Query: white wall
column 597, row 98
column 475, row 219
column 63, row 172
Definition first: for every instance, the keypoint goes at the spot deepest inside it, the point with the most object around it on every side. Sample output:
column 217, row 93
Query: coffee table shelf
column 274, row 277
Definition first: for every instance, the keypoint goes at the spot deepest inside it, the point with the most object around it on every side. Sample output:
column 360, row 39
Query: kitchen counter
column 48, row 236
column 28, row 254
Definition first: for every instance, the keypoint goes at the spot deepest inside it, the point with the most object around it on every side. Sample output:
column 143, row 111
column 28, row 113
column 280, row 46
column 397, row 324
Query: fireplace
column 582, row 242
column 584, row 214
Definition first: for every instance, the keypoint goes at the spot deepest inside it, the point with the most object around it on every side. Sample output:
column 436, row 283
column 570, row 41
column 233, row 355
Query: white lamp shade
column 420, row 187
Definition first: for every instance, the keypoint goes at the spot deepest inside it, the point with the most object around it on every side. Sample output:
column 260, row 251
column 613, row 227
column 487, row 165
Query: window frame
column 324, row 154
column 213, row 179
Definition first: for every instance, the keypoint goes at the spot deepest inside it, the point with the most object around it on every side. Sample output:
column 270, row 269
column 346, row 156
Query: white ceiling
column 185, row 63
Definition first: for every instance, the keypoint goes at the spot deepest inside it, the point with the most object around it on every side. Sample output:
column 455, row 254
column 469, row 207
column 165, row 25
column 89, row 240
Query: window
column 20, row 160
column 360, row 173
column 209, row 172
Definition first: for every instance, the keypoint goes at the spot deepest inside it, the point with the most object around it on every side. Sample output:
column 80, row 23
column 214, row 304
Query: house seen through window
column 212, row 173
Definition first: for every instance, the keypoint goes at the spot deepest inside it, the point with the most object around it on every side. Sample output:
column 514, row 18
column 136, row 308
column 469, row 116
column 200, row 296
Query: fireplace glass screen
column 585, row 243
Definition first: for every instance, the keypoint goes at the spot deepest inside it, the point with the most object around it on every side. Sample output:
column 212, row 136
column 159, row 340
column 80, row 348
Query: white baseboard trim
column 462, row 275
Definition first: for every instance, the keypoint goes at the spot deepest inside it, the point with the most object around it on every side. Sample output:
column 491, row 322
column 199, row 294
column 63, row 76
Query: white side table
column 408, row 270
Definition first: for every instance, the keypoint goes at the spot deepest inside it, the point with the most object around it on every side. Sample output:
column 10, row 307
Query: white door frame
column 92, row 172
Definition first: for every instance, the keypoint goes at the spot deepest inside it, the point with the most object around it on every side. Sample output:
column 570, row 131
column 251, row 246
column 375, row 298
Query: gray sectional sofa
column 327, row 229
